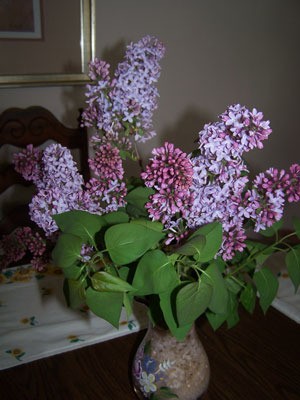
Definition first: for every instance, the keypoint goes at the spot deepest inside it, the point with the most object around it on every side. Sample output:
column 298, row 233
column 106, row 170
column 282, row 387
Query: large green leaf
column 232, row 310
column 107, row 305
column 166, row 305
column 115, row 217
column 248, row 297
column 74, row 292
column 260, row 252
column 213, row 236
column 267, row 286
column 193, row 246
column 215, row 320
column 80, row 223
column 105, row 282
column 154, row 274
column 219, row 299
column 292, row 261
column 67, row 250
column 127, row 242
column 191, row 301
column 136, row 200
column 139, row 196
column 154, row 225
column 74, row 271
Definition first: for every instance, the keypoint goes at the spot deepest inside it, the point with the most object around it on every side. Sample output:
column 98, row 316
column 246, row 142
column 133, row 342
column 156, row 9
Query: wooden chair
column 33, row 125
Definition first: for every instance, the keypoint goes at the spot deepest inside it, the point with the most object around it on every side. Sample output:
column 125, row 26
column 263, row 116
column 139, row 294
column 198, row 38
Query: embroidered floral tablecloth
column 35, row 321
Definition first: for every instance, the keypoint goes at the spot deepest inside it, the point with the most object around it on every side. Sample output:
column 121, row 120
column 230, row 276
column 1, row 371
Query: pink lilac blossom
column 106, row 192
column 107, row 163
column 293, row 189
column 22, row 240
column 233, row 240
column 268, row 198
column 28, row 163
column 170, row 172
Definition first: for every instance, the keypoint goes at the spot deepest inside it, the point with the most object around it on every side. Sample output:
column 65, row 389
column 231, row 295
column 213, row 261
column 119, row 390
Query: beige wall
column 218, row 52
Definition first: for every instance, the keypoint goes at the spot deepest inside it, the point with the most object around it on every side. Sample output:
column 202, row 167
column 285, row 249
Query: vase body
column 164, row 367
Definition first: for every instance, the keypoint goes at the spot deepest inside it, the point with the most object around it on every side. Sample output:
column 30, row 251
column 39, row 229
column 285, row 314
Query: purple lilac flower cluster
column 58, row 188
column 123, row 106
column 22, row 240
column 220, row 174
column 61, row 187
column 214, row 185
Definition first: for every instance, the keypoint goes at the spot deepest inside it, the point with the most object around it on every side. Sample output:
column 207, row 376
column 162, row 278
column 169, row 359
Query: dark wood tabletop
column 257, row 359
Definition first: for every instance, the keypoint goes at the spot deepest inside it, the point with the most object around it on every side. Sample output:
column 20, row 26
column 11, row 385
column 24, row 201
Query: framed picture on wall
column 20, row 19
column 62, row 54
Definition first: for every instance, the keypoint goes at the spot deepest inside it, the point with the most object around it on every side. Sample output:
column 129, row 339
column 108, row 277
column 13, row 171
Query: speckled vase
column 164, row 367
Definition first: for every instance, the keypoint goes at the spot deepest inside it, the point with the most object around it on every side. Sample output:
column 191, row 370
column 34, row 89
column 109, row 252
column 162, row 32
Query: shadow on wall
column 114, row 55
column 184, row 132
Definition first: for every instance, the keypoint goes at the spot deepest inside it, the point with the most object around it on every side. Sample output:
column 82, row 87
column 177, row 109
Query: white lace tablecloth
column 35, row 321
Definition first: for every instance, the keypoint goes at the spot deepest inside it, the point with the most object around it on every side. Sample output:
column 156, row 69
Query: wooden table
column 258, row 359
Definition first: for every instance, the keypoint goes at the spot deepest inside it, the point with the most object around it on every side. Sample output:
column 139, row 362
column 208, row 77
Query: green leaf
column 166, row 305
column 191, row 301
column 127, row 301
column 116, row 217
column 296, row 224
column 261, row 252
column 74, row 292
column 107, row 305
column 136, row 200
column 271, row 231
column 74, row 271
column 267, row 286
column 248, row 298
column 192, row 246
column 292, row 260
column 214, row 236
column 67, row 250
column 105, row 282
column 127, row 242
column 80, row 223
column 154, row 225
column 139, row 196
column 212, row 276
column 215, row 320
column 232, row 285
column 232, row 315
column 154, row 274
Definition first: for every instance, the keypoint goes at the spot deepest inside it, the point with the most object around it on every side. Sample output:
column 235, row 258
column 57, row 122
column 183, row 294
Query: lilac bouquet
column 178, row 234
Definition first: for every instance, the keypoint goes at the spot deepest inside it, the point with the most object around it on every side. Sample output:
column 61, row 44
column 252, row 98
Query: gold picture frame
column 87, row 52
